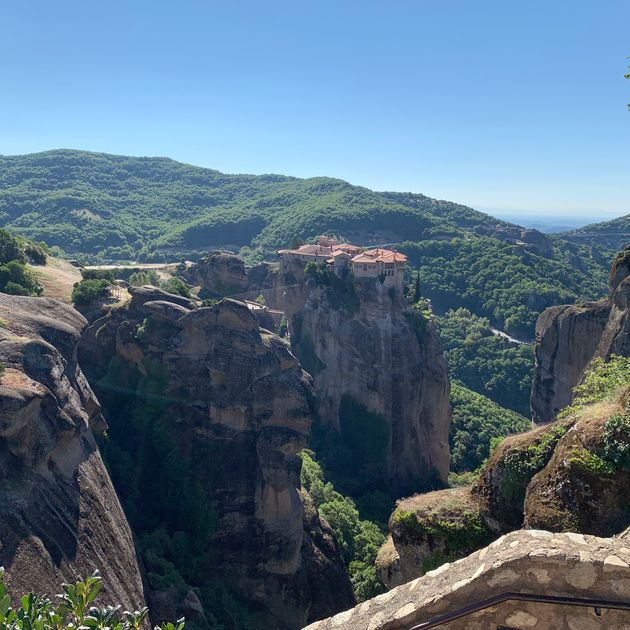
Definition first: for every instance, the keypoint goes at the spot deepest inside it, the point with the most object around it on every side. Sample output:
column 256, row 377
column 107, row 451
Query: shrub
column 10, row 248
column 178, row 286
column 283, row 328
column 15, row 278
column 617, row 439
column 35, row 252
column 74, row 609
column 87, row 291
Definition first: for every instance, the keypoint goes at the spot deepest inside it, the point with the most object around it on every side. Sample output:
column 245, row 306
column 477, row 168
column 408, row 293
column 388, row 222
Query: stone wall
column 530, row 562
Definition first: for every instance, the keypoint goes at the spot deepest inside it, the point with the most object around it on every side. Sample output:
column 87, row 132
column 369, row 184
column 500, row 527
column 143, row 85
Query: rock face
column 569, row 337
column 223, row 274
column 428, row 530
column 579, row 490
column 533, row 562
column 218, row 273
column 569, row 476
column 234, row 403
column 59, row 514
column 504, row 479
column 380, row 376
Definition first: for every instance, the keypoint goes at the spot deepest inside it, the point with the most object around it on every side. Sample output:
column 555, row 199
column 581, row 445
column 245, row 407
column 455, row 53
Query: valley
column 296, row 422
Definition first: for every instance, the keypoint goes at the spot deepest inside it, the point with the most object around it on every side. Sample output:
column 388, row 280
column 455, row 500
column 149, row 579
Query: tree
column 9, row 248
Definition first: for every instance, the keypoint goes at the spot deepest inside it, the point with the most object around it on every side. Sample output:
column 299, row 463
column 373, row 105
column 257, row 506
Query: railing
column 596, row 604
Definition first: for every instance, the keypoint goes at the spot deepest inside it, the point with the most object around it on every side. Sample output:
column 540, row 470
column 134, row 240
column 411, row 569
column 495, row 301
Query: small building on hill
column 379, row 262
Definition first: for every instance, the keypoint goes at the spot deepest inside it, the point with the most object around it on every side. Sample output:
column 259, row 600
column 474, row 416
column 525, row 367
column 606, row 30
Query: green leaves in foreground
column 73, row 609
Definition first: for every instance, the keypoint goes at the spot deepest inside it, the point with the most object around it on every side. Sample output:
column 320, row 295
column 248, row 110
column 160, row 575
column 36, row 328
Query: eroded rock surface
column 379, row 373
column 569, row 337
column 428, row 530
column 233, row 403
column 580, row 489
column 224, row 274
column 59, row 514
column 531, row 562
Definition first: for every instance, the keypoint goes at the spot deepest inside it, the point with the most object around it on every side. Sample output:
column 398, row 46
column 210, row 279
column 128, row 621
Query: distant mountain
column 100, row 207
column 549, row 224
column 606, row 235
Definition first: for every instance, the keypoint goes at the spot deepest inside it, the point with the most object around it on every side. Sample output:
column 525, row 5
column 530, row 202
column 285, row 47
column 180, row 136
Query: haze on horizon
column 507, row 108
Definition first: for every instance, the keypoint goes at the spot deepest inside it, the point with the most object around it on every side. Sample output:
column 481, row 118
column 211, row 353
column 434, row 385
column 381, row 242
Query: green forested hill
column 100, row 207
column 607, row 235
column 121, row 207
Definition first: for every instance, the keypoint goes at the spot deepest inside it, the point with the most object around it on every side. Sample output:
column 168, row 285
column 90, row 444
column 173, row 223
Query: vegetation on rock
column 359, row 539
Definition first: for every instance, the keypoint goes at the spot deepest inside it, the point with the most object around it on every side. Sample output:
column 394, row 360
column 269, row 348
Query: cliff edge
column 59, row 514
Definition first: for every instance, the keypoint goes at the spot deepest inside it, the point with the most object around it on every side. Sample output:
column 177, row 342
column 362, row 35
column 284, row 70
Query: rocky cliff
column 223, row 274
column 380, row 377
column 209, row 412
column 569, row 476
column 569, row 337
column 59, row 514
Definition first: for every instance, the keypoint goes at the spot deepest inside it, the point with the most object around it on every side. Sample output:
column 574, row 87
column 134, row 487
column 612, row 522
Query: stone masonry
column 528, row 561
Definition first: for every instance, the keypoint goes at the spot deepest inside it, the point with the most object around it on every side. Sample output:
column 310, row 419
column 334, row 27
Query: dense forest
column 485, row 362
column 510, row 288
column 98, row 207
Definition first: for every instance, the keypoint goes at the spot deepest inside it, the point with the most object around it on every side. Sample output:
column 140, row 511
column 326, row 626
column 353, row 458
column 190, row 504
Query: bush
column 87, row 291
column 15, row 278
column 35, row 252
column 74, row 609
column 178, row 286
column 10, row 248
column 617, row 439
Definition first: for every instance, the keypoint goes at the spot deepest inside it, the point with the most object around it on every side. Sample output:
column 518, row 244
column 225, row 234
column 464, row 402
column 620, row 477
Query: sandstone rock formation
column 428, row 530
column 380, row 376
column 579, row 489
column 59, row 514
column 531, row 562
column 569, row 337
column 230, row 400
column 569, row 476
column 218, row 274
column 504, row 479
column 224, row 274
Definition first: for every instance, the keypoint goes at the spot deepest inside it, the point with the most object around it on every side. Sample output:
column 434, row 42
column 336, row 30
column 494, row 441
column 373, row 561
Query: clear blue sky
column 502, row 105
